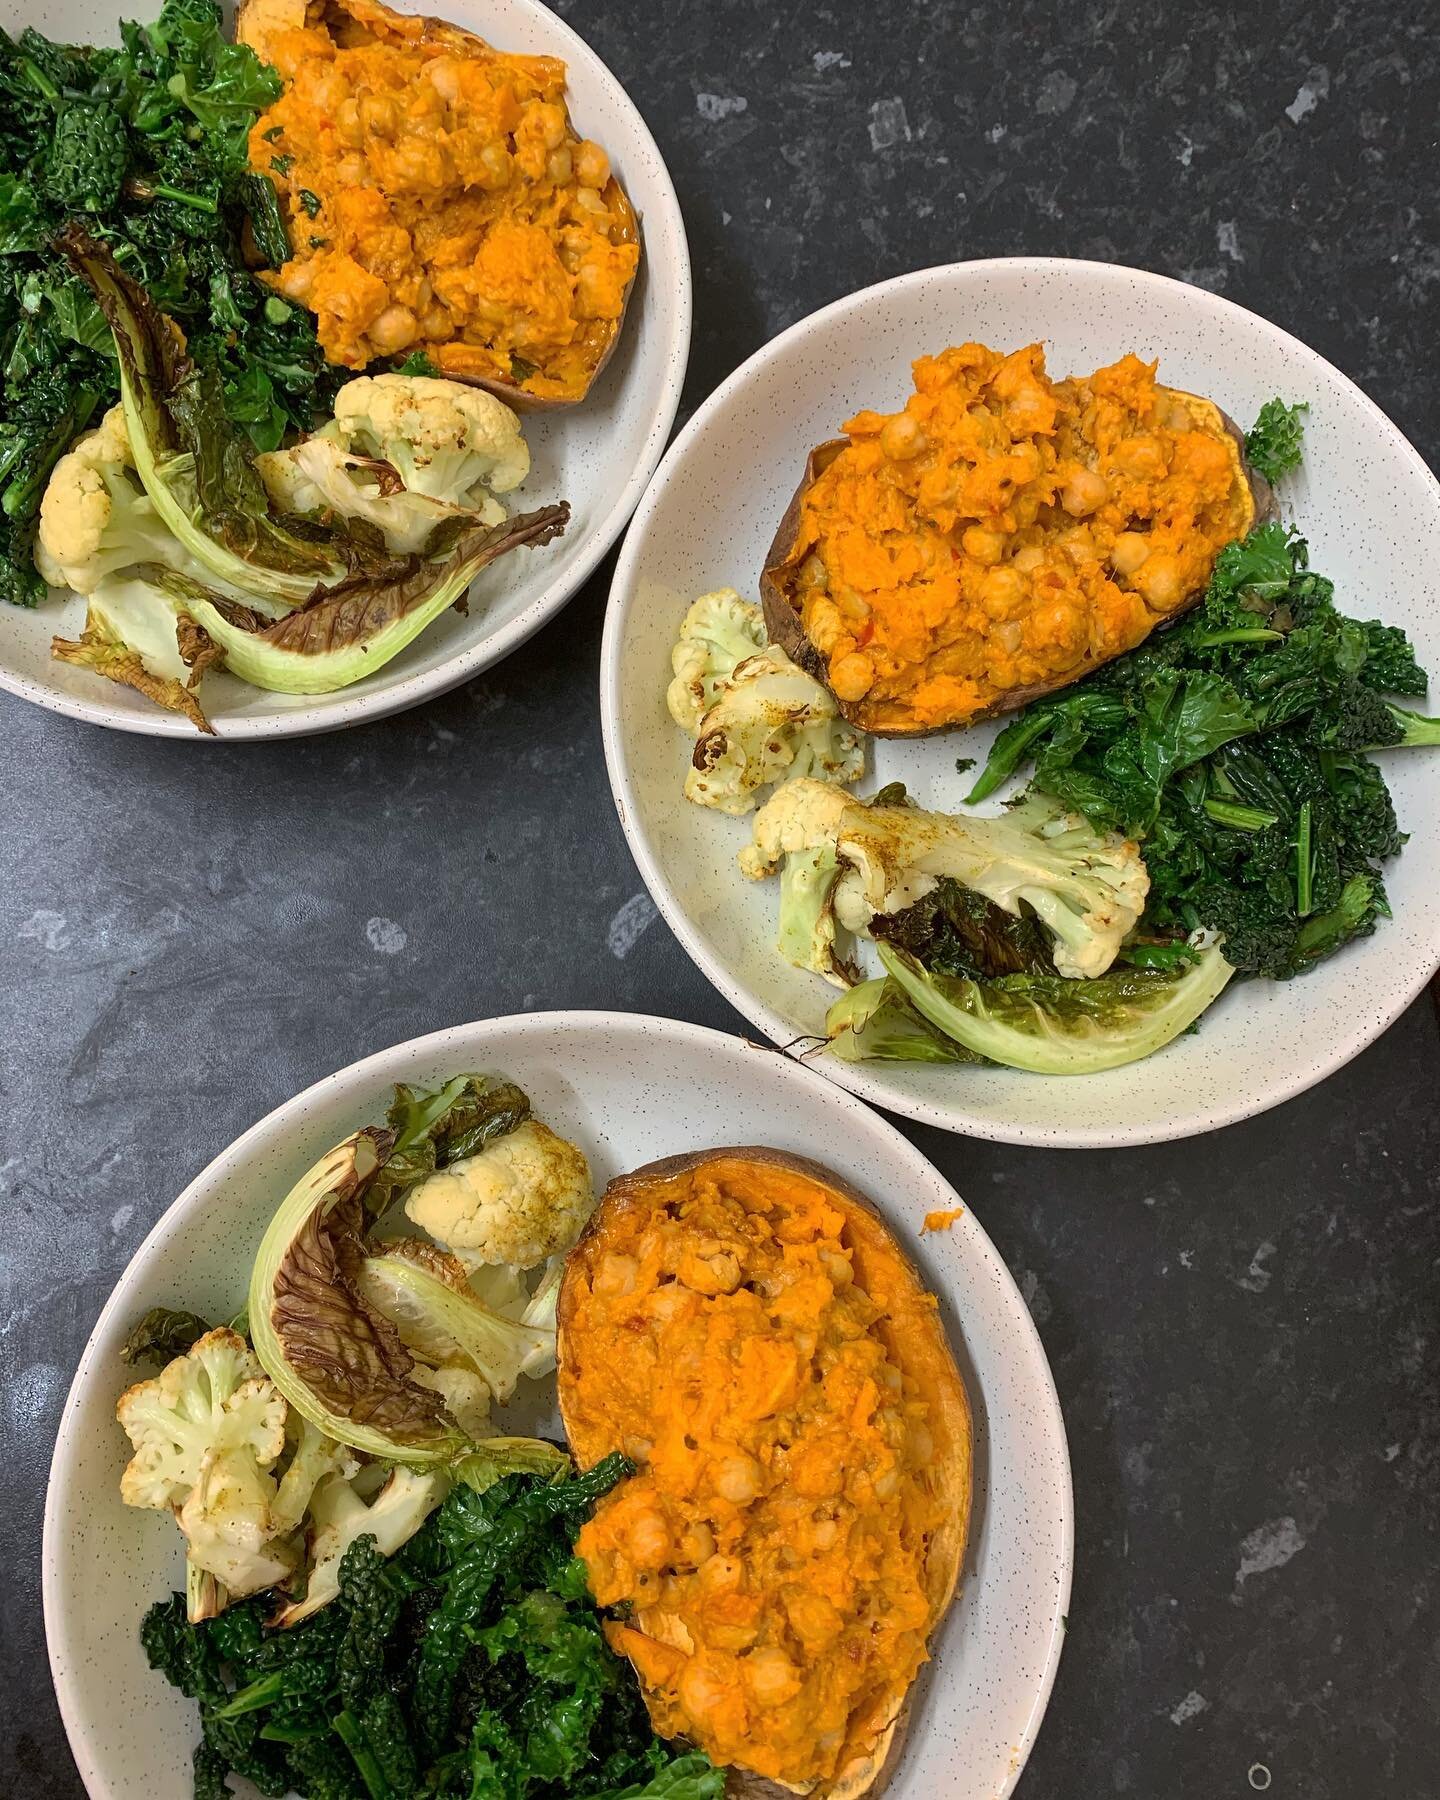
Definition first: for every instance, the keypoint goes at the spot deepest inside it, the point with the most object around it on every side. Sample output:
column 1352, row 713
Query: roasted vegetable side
column 1000, row 536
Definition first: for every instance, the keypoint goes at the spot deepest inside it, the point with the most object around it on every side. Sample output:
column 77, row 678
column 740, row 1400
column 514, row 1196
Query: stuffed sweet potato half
column 744, row 1327
column 1001, row 536
column 437, row 198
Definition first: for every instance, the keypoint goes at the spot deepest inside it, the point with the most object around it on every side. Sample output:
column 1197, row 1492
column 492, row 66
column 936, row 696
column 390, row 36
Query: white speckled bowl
column 628, row 1089
column 1368, row 504
column 598, row 456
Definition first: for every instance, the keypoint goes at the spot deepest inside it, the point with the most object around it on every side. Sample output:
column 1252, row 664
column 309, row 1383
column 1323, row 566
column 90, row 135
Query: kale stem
column 1254, row 634
column 347, row 1727
column 200, row 202
column 1239, row 818
column 1303, row 868
column 251, row 1699
column 39, row 80
column 1000, row 766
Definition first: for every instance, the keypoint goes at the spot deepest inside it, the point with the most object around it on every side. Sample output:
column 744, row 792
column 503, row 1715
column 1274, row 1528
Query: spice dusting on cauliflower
column 524, row 1198
column 756, row 716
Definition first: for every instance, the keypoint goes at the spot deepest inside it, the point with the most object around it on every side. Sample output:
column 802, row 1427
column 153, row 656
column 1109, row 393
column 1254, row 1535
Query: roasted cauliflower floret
column 719, row 631
column 443, row 439
column 94, row 519
column 524, row 1198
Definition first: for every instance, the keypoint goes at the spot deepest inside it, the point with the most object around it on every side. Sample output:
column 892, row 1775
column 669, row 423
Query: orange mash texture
column 438, row 199
column 1004, row 533
column 771, row 1548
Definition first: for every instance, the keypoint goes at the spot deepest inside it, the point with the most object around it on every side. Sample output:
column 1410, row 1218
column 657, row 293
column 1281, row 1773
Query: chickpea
column 825, row 625
column 1142, row 456
column 738, row 1479
column 647, row 1540
column 771, row 1677
column 1129, row 551
column 496, row 166
column 701, row 1691
column 887, row 1484
column 379, row 115
column 1084, row 492
column 1001, row 592
column 1008, row 635
column 721, row 1575
column 698, row 1542
column 437, row 324
column 560, row 165
column 901, row 437
column 395, row 329
column 812, row 573
column 296, row 280
column 593, row 293
column 327, row 92
column 588, row 200
column 548, row 123
column 1028, row 560
column 1160, row 581
column 617, row 1274
column 592, row 165
column 347, row 124
column 443, row 74
column 983, row 546
column 852, row 676
column 854, row 605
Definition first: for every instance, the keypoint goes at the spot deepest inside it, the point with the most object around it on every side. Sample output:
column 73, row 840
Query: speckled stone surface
column 1242, row 1328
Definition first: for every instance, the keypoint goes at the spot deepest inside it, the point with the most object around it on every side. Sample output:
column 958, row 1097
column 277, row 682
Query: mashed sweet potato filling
column 771, row 1548
column 437, row 198
column 1005, row 532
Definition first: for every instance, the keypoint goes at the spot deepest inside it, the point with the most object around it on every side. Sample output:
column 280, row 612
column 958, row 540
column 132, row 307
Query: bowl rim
column 412, row 690
column 64, row 1664
column 1288, row 1083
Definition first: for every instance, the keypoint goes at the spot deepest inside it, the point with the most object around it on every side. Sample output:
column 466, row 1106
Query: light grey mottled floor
column 1243, row 1330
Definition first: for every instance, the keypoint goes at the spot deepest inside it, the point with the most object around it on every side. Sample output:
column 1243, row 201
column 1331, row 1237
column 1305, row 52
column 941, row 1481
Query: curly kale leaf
column 1273, row 444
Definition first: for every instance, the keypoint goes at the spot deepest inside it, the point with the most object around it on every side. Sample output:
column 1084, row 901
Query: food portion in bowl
column 742, row 1326
column 178, row 442
column 1201, row 805
column 439, row 198
column 729, row 1578
column 1001, row 536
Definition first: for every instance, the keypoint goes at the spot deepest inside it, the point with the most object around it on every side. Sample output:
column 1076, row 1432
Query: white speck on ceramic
column 1366, row 501
column 598, row 456
column 385, row 937
column 629, row 925
column 629, row 1089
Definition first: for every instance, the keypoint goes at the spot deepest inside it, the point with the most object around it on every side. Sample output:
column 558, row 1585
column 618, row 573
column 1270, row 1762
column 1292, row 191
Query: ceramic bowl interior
column 598, row 456
column 1365, row 500
column 628, row 1089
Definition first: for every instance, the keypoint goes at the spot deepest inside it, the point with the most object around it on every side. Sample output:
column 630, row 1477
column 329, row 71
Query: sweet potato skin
column 919, row 1344
column 253, row 18
column 784, row 625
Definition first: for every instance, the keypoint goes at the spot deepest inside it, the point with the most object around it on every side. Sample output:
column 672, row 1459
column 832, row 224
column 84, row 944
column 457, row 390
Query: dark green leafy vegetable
column 149, row 142
column 470, row 1666
column 1273, row 446
column 433, row 1130
column 162, row 1335
column 956, row 931
column 1234, row 745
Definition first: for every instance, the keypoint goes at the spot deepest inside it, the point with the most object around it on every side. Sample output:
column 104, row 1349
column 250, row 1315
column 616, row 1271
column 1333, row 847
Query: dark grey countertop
column 1243, row 1328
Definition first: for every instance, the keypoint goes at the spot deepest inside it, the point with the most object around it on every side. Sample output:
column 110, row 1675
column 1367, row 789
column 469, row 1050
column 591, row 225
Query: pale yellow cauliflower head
column 525, row 1197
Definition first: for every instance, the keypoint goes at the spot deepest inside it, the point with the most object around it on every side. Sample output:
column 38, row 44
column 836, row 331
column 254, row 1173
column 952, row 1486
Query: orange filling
column 438, row 199
column 1005, row 533
column 771, row 1548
